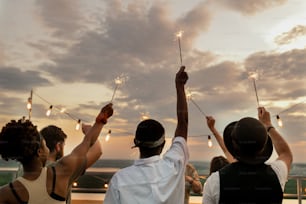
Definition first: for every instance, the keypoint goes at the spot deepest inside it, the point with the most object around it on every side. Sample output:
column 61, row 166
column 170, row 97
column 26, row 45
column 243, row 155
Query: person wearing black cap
column 153, row 179
column 250, row 179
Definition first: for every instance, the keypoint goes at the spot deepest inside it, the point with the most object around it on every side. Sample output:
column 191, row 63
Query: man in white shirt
column 154, row 179
column 250, row 180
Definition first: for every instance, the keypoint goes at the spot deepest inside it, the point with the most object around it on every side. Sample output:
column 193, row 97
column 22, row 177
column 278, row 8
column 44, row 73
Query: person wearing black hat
column 153, row 179
column 250, row 179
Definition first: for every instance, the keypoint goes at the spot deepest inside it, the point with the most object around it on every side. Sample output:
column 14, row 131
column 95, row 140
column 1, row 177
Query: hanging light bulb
column 108, row 135
column 209, row 143
column 29, row 104
column 77, row 127
column 48, row 113
column 279, row 121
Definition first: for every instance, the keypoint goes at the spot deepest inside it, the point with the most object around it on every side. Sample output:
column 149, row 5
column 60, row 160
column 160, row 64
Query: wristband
column 269, row 128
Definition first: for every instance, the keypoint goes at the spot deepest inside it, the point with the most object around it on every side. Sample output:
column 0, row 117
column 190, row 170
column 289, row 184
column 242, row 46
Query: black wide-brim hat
column 248, row 141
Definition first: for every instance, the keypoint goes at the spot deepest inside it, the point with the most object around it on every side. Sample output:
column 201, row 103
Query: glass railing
column 96, row 180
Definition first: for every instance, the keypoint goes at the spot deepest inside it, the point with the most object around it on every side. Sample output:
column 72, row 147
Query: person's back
column 250, row 179
column 20, row 140
column 154, row 179
column 244, row 183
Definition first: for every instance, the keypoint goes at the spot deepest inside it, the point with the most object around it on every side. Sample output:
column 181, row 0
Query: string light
column 209, row 142
column 29, row 104
column 78, row 125
column 108, row 135
column 52, row 107
column 279, row 121
column 48, row 113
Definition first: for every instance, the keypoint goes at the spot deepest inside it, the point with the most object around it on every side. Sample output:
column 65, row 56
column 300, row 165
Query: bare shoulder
column 6, row 193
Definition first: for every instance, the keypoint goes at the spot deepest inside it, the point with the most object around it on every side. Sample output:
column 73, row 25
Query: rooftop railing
column 96, row 180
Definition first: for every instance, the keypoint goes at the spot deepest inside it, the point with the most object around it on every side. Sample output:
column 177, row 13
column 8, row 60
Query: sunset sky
column 69, row 52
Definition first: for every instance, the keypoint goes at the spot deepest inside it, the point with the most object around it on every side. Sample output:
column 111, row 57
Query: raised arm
column 211, row 125
column 75, row 159
column 95, row 151
column 281, row 146
column 181, row 107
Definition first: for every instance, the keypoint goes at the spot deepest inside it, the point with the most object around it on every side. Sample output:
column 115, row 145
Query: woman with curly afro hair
column 21, row 141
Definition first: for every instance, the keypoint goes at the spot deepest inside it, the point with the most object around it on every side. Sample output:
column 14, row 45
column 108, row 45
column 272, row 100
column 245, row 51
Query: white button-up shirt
column 152, row 180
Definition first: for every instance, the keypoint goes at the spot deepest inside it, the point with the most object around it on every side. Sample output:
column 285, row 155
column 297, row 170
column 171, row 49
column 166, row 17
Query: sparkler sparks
column 118, row 81
column 189, row 97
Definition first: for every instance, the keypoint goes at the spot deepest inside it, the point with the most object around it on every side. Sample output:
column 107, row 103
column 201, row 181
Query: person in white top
column 250, row 180
column 21, row 141
column 154, row 179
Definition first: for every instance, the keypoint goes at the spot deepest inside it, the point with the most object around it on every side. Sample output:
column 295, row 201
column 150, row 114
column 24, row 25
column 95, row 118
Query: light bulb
column 209, row 143
column 108, row 136
column 279, row 121
column 29, row 104
column 48, row 113
column 77, row 127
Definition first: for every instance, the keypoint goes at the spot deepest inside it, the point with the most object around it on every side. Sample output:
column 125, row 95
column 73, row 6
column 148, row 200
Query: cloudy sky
column 69, row 52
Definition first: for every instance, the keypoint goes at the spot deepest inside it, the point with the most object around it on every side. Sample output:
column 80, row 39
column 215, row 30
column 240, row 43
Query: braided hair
column 19, row 140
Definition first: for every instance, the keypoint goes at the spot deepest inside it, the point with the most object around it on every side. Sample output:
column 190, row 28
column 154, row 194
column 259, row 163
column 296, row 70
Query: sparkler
column 179, row 35
column 118, row 81
column 254, row 76
column 189, row 96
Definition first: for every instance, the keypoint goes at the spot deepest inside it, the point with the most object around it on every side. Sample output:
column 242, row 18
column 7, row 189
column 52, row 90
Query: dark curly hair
column 19, row 140
column 53, row 134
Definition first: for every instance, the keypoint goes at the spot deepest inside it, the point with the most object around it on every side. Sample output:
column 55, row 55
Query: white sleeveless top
column 37, row 189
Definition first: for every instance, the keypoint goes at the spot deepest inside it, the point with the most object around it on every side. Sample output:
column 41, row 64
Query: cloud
column 282, row 75
column 61, row 15
column 130, row 38
column 249, row 7
column 293, row 34
column 11, row 106
column 14, row 79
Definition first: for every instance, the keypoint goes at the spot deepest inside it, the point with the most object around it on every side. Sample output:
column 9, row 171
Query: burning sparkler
column 118, row 81
column 179, row 36
column 189, row 97
column 254, row 77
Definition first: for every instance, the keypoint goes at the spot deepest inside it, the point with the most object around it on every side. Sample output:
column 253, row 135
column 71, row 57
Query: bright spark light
column 253, row 75
column 118, row 81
